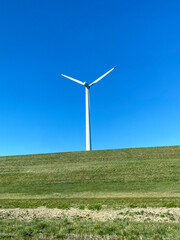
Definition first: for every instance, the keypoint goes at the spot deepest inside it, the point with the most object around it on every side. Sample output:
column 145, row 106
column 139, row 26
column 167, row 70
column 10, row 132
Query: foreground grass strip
column 65, row 229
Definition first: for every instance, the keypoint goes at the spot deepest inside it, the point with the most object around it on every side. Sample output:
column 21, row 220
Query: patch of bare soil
column 73, row 214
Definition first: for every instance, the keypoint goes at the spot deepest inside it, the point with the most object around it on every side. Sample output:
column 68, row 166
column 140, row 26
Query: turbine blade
column 97, row 80
column 73, row 79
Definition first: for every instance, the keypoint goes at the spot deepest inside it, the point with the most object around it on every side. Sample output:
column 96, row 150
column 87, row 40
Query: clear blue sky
column 137, row 105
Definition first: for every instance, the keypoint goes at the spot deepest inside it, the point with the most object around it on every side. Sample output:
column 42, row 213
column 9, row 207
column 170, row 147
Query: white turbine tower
column 87, row 88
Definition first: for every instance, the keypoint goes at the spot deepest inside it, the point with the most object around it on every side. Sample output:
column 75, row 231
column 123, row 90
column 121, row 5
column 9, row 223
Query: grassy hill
column 127, row 176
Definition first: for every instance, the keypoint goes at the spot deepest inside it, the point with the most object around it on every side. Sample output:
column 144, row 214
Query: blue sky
column 137, row 105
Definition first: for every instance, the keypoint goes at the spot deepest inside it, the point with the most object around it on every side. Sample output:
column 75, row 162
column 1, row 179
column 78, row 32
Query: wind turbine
column 87, row 89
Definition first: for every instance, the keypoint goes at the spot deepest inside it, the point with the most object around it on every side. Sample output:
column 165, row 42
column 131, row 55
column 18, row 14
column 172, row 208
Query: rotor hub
column 86, row 84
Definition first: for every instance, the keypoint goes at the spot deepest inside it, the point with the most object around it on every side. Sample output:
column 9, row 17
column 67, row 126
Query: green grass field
column 144, row 175
column 63, row 229
column 109, row 179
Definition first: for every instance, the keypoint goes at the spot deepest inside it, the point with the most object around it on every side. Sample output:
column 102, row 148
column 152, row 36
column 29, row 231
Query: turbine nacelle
column 86, row 84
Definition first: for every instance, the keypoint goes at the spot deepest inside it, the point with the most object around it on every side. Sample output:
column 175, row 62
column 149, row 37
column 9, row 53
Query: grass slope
column 125, row 176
